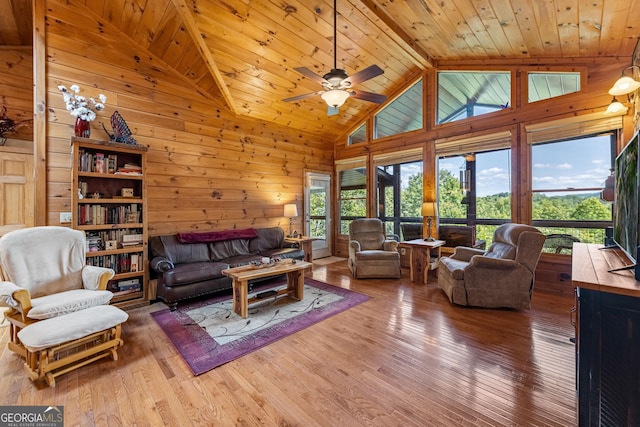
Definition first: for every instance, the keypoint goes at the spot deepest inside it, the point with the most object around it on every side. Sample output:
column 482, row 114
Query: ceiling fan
column 337, row 83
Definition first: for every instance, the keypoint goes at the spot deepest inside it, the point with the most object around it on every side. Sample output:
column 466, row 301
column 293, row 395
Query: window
column 544, row 85
column 403, row 114
column 463, row 94
column 352, row 191
column 359, row 135
column 570, row 161
column 474, row 182
column 399, row 188
column 567, row 177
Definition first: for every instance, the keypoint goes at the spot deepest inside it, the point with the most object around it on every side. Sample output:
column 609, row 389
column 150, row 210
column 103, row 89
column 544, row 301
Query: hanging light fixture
column 335, row 98
column 616, row 107
column 625, row 84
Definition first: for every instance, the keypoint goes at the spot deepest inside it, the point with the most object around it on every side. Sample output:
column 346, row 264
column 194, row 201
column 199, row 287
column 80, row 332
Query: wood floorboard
column 406, row 357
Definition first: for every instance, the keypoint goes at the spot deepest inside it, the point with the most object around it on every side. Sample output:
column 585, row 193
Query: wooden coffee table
column 242, row 275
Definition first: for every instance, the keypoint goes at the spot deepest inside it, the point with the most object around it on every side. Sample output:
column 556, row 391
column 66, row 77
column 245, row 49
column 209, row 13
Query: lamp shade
column 428, row 209
column 616, row 107
column 335, row 98
column 290, row 210
column 623, row 86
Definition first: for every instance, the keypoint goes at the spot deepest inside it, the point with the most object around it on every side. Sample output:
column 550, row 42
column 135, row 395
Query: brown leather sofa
column 193, row 267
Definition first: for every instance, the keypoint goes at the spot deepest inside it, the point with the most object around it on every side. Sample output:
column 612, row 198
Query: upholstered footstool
column 61, row 344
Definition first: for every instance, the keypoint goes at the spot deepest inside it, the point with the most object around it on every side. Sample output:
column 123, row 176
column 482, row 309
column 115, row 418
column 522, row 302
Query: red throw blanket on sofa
column 215, row 236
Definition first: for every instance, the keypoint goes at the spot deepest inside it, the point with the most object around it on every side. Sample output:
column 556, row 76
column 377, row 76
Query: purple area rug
column 208, row 333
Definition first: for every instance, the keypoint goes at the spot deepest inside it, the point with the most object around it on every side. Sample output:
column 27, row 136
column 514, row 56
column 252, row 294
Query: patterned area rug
column 208, row 334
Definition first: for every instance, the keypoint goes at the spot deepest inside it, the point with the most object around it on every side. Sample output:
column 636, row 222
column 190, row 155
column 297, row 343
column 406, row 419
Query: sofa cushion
column 236, row 261
column 268, row 238
column 229, row 248
column 170, row 248
column 284, row 253
column 186, row 273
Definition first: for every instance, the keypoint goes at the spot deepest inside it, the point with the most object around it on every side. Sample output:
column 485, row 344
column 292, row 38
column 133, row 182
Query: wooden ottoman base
column 61, row 344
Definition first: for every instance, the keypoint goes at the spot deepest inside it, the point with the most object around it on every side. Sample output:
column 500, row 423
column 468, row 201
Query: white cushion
column 70, row 327
column 61, row 303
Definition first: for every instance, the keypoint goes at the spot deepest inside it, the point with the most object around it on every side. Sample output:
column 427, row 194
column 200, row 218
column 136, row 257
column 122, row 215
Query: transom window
column 401, row 115
column 359, row 135
column 464, row 94
column 545, row 85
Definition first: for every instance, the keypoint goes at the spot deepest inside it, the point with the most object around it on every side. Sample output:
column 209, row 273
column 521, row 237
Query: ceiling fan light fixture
column 335, row 98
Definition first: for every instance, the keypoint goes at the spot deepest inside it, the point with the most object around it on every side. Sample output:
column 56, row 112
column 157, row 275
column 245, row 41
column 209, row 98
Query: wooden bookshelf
column 109, row 203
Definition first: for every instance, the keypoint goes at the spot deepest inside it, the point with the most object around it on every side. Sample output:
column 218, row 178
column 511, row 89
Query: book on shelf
column 130, row 169
column 133, row 266
column 100, row 163
column 112, row 163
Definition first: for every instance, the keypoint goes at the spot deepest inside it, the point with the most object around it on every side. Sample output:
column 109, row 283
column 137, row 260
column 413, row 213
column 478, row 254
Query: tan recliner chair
column 59, row 312
column 371, row 254
column 502, row 276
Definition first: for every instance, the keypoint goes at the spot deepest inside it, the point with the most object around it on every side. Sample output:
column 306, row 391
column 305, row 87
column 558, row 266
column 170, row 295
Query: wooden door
column 16, row 189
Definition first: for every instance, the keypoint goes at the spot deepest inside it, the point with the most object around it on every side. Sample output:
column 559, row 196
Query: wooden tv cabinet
column 607, row 337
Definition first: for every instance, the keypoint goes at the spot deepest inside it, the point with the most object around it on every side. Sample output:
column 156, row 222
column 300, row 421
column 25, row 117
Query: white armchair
column 44, row 273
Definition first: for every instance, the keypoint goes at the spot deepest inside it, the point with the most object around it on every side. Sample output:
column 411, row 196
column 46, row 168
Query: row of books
column 99, row 214
column 97, row 162
column 105, row 163
column 117, row 235
column 125, row 286
column 120, row 263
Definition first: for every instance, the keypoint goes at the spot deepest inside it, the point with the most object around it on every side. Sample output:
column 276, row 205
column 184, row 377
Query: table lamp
column 290, row 211
column 429, row 210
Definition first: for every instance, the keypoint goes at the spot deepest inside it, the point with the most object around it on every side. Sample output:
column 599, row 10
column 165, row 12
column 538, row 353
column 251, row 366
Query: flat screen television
column 625, row 213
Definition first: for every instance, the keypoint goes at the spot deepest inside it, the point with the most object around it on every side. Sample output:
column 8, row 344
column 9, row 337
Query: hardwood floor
column 406, row 357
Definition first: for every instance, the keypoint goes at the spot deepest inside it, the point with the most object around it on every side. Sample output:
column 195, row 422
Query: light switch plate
column 65, row 217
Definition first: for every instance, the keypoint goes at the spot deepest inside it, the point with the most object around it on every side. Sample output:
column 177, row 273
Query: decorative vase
column 82, row 128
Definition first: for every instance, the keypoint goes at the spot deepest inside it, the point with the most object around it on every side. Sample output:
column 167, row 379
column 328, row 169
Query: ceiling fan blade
column 332, row 111
column 368, row 96
column 310, row 75
column 366, row 74
column 305, row 96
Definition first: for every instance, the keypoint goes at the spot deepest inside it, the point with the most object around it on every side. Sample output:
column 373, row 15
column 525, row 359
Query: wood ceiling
column 241, row 53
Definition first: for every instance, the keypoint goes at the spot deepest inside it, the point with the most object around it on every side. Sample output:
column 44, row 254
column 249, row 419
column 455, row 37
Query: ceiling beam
column 388, row 26
column 192, row 27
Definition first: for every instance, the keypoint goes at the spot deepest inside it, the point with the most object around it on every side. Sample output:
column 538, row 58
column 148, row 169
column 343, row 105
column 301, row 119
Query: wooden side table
column 421, row 254
column 306, row 244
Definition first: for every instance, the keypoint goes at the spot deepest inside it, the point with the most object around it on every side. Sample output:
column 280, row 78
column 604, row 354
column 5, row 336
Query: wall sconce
column 616, row 107
column 290, row 211
column 625, row 84
column 429, row 210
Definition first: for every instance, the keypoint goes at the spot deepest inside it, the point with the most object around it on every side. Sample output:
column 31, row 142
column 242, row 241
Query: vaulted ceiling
column 242, row 53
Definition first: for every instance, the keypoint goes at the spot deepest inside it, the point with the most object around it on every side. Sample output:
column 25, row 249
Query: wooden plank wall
column 16, row 89
column 207, row 169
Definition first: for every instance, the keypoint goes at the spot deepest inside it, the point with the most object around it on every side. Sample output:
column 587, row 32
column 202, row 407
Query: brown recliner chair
column 502, row 276
column 371, row 254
